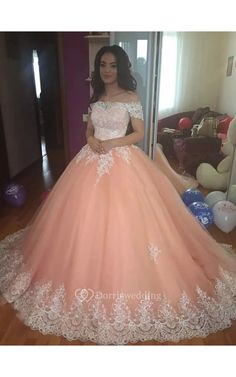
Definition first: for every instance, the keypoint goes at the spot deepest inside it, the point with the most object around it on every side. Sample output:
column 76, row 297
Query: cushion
column 224, row 124
column 199, row 114
column 221, row 136
column 208, row 127
column 224, row 165
column 212, row 114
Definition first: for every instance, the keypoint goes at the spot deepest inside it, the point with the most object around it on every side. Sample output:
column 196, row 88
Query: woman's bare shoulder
column 132, row 96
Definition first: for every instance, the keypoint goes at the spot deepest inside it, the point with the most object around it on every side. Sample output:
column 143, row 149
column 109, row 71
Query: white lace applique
column 86, row 154
column 124, row 152
column 135, row 110
column 154, row 252
column 135, row 147
column 104, row 161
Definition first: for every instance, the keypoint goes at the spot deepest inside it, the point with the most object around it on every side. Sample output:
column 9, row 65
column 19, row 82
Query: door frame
column 5, row 171
column 152, row 87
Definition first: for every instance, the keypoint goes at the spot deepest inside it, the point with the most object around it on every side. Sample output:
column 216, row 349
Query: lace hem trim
column 45, row 309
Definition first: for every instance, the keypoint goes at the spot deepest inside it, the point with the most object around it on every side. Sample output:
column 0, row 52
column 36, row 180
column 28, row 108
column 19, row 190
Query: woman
column 114, row 256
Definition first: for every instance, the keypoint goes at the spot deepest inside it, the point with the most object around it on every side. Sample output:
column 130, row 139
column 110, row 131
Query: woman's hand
column 107, row 145
column 95, row 144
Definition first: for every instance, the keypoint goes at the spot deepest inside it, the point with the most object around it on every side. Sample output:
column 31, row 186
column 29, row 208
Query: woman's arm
column 90, row 128
column 93, row 142
column 134, row 137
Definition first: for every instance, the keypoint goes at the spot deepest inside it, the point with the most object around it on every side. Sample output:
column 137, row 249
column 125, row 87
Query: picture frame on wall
column 230, row 66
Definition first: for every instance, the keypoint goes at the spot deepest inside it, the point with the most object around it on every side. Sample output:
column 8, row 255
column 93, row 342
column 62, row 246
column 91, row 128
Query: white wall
column 226, row 102
column 201, row 62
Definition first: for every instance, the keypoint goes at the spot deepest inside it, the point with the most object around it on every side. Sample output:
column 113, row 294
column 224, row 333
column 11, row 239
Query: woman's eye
column 104, row 65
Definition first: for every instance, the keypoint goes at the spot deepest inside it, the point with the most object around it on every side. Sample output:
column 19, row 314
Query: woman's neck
column 112, row 91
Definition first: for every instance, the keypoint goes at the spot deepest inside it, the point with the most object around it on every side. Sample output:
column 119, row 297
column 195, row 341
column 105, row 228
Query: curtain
column 189, row 75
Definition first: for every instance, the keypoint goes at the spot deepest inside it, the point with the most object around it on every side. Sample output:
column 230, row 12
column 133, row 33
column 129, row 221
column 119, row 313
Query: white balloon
column 224, row 213
column 232, row 194
column 215, row 196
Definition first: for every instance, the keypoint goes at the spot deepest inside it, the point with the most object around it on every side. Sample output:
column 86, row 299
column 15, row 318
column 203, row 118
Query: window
column 168, row 72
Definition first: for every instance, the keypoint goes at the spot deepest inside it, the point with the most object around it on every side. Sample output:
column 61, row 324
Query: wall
column 76, row 91
column 227, row 90
column 17, row 99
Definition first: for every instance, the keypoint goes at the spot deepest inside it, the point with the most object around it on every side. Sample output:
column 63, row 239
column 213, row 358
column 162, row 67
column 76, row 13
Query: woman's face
column 108, row 68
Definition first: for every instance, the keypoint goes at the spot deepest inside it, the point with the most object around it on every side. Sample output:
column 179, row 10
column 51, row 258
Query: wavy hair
column 124, row 78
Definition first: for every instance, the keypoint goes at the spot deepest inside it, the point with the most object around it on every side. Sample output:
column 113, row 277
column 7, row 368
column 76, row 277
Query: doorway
column 37, row 82
column 4, row 168
column 47, row 87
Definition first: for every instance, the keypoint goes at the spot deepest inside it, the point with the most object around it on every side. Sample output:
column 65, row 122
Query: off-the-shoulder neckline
column 124, row 103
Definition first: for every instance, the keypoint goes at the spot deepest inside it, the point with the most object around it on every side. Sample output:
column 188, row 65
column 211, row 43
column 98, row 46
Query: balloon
column 192, row 195
column 184, row 123
column 224, row 213
column 232, row 194
column 15, row 194
column 215, row 196
column 202, row 212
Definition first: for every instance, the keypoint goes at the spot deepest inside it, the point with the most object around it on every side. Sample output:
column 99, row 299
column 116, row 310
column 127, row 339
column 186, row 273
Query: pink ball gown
column 114, row 256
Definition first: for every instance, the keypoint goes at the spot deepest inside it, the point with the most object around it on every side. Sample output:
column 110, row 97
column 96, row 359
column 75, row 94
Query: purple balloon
column 15, row 194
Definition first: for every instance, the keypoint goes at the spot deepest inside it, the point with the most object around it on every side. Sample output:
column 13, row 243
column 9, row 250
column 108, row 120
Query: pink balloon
column 224, row 213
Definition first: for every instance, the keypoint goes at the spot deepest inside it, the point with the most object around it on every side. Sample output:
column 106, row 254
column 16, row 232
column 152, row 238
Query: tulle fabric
column 114, row 256
column 180, row 181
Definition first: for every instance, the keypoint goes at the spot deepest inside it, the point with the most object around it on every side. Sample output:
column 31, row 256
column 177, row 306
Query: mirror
column 231, row 189
column 198, row 72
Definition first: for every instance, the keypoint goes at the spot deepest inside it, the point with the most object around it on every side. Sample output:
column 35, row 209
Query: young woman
column 114, row 256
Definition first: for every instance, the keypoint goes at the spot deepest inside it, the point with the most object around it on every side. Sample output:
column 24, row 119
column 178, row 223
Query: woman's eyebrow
column 102, row 61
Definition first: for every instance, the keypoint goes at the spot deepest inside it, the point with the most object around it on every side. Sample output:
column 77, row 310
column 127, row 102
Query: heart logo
column 84, row 295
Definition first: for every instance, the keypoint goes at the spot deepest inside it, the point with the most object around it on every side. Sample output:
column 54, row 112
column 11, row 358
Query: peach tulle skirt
column 114, row 256
column 181, row 182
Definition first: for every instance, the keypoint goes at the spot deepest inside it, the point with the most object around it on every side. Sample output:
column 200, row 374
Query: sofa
column 188, row 150
column 192, row 151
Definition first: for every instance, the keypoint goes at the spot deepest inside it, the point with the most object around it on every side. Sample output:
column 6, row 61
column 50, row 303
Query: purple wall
column 76, row 70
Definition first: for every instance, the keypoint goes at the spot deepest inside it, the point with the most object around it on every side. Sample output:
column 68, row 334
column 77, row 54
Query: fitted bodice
column 111, row 119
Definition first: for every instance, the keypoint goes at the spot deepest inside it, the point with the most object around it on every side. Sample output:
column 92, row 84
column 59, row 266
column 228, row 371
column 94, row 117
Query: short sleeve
column 135, row 110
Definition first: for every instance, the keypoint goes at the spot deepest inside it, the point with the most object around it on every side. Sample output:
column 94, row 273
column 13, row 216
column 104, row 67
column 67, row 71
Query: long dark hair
column 124, row 78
